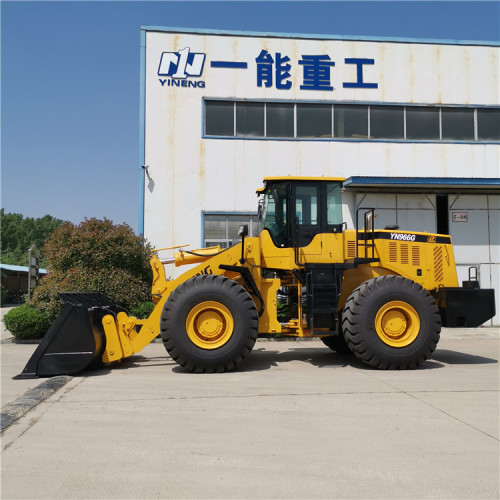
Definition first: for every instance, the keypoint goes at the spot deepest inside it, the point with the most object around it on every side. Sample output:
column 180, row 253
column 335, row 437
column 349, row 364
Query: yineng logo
column 178, row 67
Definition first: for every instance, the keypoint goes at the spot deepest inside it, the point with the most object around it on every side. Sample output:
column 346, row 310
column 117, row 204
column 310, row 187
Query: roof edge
column 349, row 38
column 485, row 185
column 455, row 181
column 21, row 269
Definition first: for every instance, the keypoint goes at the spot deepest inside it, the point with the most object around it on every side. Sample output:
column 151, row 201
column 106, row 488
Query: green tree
column 18, row 234
column 95, row 256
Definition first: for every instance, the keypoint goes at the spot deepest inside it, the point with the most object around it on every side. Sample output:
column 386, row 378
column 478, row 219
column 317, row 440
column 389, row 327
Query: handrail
column 369, row 227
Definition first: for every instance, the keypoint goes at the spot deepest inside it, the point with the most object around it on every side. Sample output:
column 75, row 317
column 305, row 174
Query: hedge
column 26, row 322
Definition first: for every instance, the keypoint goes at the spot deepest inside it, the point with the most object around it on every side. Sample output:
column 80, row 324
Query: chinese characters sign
column 271, row 70
column 316, row 71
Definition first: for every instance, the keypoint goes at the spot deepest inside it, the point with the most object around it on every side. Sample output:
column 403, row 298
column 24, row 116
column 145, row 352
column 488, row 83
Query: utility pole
column 33, row 269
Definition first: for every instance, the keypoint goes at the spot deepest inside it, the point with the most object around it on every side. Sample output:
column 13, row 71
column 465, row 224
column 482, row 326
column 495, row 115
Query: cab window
column 306, row 205
column 333, row 204
column 274, row 214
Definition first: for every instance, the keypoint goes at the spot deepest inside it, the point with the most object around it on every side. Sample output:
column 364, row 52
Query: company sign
column 185, row 68
column 178, row 66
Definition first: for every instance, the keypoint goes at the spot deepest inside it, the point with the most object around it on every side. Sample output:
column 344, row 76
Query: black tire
column 194, row 353
column 375, row 339
column 337, row 343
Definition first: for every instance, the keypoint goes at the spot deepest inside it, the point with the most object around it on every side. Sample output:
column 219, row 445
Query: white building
column 413, row 126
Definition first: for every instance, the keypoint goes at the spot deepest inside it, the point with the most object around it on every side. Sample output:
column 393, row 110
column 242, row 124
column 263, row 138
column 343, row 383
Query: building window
column 488, row 124
column 222, row 228
column 350, row 121
column 458, row 124
column 219, row 118
column 422, row 123
column 289, row 120
column 249, row 119
column 387, row 122
column 314, row 121
column 280, row 119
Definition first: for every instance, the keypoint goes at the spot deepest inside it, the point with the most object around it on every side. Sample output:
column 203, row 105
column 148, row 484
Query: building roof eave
column 483, row 185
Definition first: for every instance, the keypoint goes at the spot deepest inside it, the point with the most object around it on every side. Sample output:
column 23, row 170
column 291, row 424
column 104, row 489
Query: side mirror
column 243, row 231
column 260, row 210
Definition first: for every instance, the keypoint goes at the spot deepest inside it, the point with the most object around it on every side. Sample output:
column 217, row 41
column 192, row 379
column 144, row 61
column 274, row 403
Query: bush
column 118, row 284
column 142, row 310
column 282, row 310
column 95, row 256
column 97, row 244
column 26, row 322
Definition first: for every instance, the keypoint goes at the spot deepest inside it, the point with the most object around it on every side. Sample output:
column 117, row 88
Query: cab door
column 307, row 212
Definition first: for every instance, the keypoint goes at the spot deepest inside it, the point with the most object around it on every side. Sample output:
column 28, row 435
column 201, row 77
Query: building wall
column 189, row 173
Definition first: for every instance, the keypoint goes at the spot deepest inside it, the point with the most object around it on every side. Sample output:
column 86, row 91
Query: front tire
column 209, row 324
column 390, row 322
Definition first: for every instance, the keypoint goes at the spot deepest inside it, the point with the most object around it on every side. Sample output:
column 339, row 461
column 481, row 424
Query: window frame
column 252, row 219
column 369, row 105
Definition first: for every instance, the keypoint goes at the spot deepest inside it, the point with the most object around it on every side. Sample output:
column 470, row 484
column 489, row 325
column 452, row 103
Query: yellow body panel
column 268, row 322
column 323, row 249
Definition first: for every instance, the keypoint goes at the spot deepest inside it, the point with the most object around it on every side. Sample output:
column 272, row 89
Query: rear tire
column 390, row 322
column 209, row 324
column 337, row 343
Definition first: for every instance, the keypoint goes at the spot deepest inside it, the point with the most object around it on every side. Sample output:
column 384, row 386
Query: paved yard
column 297, row 421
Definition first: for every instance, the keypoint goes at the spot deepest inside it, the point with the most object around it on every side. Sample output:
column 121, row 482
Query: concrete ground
column 297, row 421
column 4, row 309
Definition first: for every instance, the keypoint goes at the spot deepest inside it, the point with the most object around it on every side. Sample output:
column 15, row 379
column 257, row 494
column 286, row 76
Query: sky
column 70, row 83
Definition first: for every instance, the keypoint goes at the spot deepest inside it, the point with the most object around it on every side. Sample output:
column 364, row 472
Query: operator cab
column 295, row 210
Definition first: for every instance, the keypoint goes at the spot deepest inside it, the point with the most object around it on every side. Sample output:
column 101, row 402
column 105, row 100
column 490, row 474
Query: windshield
column 274, row 213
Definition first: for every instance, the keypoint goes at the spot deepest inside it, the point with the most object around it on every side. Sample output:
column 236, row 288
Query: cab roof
column 299, row 178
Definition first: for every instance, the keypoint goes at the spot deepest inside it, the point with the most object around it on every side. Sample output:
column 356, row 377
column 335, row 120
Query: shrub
column 97, row 244
column 142, row 310
column 282, row 310
column 26, row 322
column 95, row 256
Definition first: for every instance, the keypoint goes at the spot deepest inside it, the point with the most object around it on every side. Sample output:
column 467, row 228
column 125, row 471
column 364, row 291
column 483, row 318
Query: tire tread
column 172, row 305
column 356, row 337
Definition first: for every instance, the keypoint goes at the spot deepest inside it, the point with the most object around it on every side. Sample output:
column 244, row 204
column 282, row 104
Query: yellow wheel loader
column 382, row 294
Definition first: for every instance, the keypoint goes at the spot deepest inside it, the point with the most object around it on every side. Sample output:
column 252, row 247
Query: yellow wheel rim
column 397, row 324
column 209, row 325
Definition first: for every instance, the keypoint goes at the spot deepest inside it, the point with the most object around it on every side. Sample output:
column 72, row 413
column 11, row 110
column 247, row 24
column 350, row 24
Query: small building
column 15, row 281
column 413, row 125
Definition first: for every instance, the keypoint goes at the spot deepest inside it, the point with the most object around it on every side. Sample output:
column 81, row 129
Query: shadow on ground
column 461, row 358
column 265, row 359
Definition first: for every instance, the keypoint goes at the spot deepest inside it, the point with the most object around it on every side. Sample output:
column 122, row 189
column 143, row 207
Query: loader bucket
column 75, row 340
